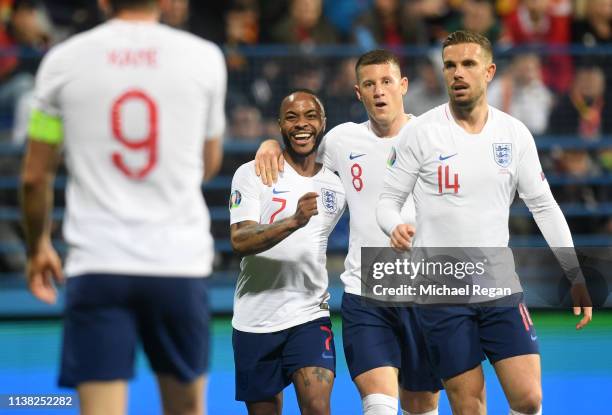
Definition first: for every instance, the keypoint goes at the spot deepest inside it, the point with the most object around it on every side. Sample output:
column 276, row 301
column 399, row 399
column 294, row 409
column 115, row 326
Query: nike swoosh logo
column 327, row 356
column 277, row 192
column 354, row 156
column 442, row 158
column 533, row 338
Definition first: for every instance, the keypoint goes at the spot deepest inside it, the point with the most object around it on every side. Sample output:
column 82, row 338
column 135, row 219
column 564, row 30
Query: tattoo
column 322, row 375
column 305, row 378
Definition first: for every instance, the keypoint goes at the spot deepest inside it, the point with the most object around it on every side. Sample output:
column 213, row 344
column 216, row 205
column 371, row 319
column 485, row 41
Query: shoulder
column 341, row 135
column 506, row 122
column 332, row 180
column 421, row 125
column 246, row 171
column 347, row 129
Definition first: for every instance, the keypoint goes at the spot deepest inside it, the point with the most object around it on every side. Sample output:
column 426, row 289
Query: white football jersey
column 467, row 182
column 360, row 158
column 137, row 101
column 286, row 285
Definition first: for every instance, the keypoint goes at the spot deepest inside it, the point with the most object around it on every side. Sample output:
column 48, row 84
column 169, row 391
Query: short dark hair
column 376, row 57
column 118, row 5
column 309, row 92
column 463, row 36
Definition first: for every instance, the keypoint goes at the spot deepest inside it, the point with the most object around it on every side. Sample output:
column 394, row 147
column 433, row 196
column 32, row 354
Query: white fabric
column 513, row 412
column 157, row 224
column 286, row 285
column 360, row 159
column 552, row 224
column 480, row 174
column 432, row 412
column 379, row 404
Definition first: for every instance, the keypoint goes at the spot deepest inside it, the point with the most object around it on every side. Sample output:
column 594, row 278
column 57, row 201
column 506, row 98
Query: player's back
column 137, row 101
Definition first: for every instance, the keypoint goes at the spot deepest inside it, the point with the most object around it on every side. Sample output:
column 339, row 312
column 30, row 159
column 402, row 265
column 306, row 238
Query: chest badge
column 502, row 154
column 329, row 200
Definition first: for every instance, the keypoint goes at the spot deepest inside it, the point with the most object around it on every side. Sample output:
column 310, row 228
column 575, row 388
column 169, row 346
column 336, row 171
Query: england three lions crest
column 502, row 154
column 329, row 200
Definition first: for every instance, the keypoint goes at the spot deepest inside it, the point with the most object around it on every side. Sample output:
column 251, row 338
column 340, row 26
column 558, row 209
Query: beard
column 299, row 156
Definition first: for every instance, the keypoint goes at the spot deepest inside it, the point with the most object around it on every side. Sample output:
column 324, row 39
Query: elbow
column 32, row 181
column 238, row 246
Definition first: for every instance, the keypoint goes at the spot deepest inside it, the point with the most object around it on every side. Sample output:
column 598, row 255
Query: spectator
column 427, row 90
column 341, row 103
column 246, row 123
column 596, row 27
column 521, row 93
column 386, row 24
column 241, row 28
column 583, row 111
column 595, row 30
column 28, row 33
column 478, row 16
column 576, row 164
column 533, row 22
column 435, row 14
column 175, row 13
column 304, row 25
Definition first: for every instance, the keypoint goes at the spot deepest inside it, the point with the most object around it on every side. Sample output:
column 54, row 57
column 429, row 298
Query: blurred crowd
column 563, row 90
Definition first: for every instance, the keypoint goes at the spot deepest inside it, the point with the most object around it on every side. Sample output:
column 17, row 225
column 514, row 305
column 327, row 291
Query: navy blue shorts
column 378, row 336
column 107, row 315
column 265, row 362
column 459, row 338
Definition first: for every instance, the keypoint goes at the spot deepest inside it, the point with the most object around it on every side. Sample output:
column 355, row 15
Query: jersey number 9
column 148, row 143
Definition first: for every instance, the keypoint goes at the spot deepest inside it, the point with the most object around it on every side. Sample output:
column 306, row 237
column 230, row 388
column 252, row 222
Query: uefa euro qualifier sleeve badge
column 329, row 200
column 502, row 154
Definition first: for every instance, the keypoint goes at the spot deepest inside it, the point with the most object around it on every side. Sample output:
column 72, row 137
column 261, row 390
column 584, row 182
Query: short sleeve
column 215, row 120
column 45, row 122
column 50, row 78
column 244, row 203
column 325, row 152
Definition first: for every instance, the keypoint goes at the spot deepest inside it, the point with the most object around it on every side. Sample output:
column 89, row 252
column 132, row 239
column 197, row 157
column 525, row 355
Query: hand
column 582, row 303
column 269, row 161
column 306, row 208
column 401, row 237
column 43, row 267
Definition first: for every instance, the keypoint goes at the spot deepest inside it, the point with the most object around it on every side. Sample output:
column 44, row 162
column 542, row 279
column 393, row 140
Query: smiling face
column 381, row 88
column 301, row 122
column 467, row 71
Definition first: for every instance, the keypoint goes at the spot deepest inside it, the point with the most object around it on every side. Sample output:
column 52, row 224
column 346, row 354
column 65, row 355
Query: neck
column 535, row 17
column 391, row 129
column 304, row 166
column 139, row 15
column 471, row 119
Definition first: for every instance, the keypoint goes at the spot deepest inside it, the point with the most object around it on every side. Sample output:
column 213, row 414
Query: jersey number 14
column 447, row 184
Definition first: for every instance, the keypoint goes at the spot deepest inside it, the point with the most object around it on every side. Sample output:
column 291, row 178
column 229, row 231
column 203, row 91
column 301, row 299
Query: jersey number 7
column 148, row 143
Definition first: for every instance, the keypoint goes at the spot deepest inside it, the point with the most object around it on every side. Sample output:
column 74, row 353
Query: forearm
column 388, row 212
column 213, row 157
column 255, row 238
column 551, row 222
column 36, row 204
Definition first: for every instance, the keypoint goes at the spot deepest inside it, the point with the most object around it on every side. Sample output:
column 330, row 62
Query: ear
column 404, row 85
column 490, row 72
column 357, row 92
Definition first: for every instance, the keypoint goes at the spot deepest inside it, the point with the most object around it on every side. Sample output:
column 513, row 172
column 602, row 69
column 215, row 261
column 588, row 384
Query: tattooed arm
column 249, row 237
